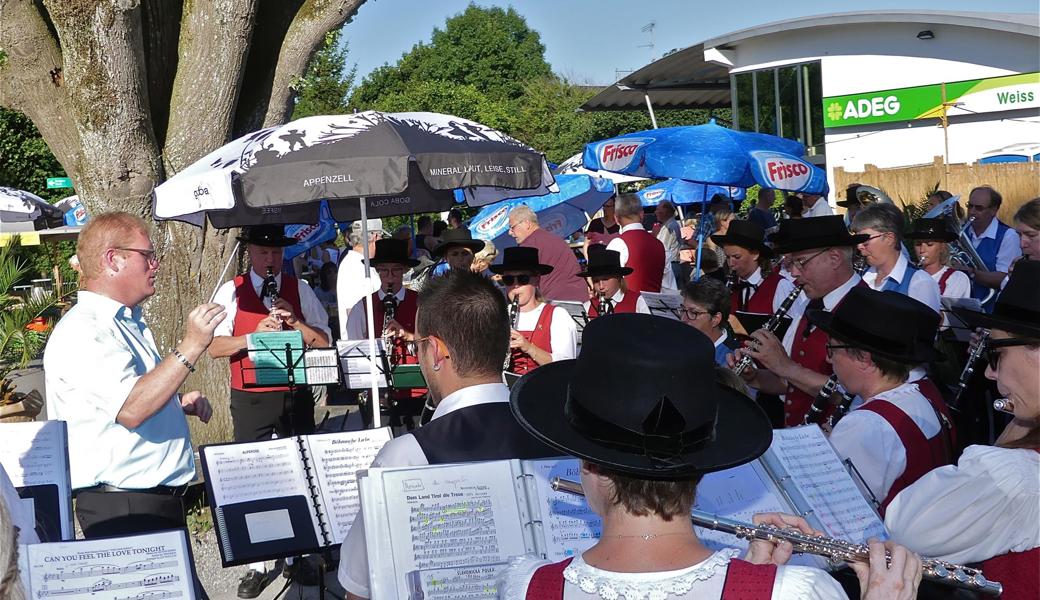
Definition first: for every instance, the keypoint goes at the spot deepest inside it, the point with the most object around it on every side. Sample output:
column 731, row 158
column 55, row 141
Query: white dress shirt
column 94, row 358
column 314, row 314
column 784, row 287
column 618, row 245
column 562, row 331
column 404, row 452
column 986, row 505
column 356, row 322
column 1009, row 249
column 922, row 288
column 957, row 286
column 352, row 285
column 802, row 302
column 873, row 445
column 617, row 298
column 822, row 208
column 671, row 236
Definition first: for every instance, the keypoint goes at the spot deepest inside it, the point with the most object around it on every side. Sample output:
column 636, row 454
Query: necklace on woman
column 644, row 536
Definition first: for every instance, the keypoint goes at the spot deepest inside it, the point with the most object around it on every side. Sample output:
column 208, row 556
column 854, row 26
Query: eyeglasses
column 800, row 263
column 508, row 280
column 832, row 347
column 691, row 314
column 149, row 255
column 978, row 207
column 412, row 347
column 994, row 347
column 390, row 271
column 876, row 235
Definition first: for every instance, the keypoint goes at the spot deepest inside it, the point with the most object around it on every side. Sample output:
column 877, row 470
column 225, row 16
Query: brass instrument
column 514, row 318
column 969, row 366
column 389, row 314
column 771, row 325
column 834, row 550
column 962, row 251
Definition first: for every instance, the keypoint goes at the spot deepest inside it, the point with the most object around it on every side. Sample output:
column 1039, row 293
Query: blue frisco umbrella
column 682, row 193
column 311, row 235
column 560, row 213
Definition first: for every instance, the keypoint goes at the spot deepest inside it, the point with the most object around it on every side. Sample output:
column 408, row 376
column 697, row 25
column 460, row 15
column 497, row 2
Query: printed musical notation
column 32, row 451
column 815, row 469
column 142, row 567
column 268, row 469
column 569, row 525
column 337, row 458
column 465, row 583
column 737, row 493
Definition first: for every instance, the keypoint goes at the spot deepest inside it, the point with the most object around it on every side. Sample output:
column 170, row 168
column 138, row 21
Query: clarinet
column 269, row 289
column 969, row 366
column 389, row 313
column 771, row 325
column 604, row 308
column 1003, row 405
column 823, row 400
column 514, row 318
column 843, row 408
column 836, row 551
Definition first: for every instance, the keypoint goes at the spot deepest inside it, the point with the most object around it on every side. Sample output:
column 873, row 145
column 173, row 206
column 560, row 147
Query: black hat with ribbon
column 392, row 251
column 521, row 258
column 604, row 262
column 642, row 399
column 457, row 237
column 883, row 323
column 931, row 229
column 1017, row 310
column 746, row 234
column 272, row 236
column 810, row 233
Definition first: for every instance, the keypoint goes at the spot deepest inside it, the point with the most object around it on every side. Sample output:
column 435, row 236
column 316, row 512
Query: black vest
column 479, row 432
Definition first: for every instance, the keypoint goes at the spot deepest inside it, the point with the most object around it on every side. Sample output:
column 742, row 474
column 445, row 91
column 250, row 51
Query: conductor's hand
column 517, row 341
column 894, row 579
column 194, row 403
column 398, row 331
column 202, row 320
column 762, row 552
column 767, row 350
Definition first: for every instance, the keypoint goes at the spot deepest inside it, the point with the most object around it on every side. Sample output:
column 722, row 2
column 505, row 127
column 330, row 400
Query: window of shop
column 784, row 101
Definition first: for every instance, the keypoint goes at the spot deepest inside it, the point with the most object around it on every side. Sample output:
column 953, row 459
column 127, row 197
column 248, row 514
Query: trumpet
column 771, row 325
column 834, row 550
column 514, row 318
column 969, row 366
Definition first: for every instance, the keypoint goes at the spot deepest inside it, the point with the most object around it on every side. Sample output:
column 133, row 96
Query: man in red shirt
column 563, row 282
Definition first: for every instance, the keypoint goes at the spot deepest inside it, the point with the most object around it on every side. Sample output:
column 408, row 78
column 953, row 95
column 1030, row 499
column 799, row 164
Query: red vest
column 929, row 390
column 761, row 301
column 945, row 277
column 521, row 362
column 922, row 454
column 1019, row 572
column 250, row 310
column 405, row 315
column 627, row 305
column 744, row 581
column 646, row 257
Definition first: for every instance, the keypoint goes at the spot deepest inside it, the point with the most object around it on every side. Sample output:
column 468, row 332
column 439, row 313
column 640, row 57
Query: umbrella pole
column 227, row 265
column 370, row 317
column 701, row 235
column 650, row 109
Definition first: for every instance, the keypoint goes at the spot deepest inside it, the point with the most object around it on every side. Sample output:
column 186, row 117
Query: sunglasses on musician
column 995, row 347
column 508, row 280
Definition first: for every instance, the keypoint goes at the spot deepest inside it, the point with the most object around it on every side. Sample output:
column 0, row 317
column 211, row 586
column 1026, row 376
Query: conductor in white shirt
column 129, row 447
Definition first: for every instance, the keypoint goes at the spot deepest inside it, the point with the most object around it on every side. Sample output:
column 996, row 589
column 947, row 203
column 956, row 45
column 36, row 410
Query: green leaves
column 18, row 345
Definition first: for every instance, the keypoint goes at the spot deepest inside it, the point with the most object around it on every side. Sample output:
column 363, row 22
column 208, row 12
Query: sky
column 590, row 41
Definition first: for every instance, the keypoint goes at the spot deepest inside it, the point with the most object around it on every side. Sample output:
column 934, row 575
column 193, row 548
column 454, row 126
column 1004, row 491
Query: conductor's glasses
column 149, row 255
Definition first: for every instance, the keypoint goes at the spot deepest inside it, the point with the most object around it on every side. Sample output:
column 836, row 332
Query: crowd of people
column 649, row 404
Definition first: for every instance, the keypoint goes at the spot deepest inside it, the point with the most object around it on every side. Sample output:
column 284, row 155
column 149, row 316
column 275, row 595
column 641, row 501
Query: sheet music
column 322, row 366
column 452, row 517
column 141, row 567
column 663, row 304
column 817, row 472
column 354, row 359
column 336, row 458
column 267, row 351
column 463, row 583
column 267, row 469
column 568, row 524
column 36, row 454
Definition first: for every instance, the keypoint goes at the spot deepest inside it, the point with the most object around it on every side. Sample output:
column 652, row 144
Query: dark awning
column 682, row 79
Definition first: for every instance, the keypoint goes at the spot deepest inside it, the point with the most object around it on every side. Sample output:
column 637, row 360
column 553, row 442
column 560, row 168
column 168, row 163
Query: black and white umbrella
column 24, row 211
column 364, row 165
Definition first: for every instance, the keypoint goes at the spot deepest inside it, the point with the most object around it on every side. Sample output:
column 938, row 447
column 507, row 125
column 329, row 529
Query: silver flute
column 834, row 550
column 771, row 325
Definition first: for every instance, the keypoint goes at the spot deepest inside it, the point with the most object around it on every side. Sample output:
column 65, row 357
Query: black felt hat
column 745, row 234
column 457, row 237
column 931, row 229
column 272, row 236
column 884, row 323
column 813, row 232
column 1017, row 310
column 392, row 251
column 520, row 258
column 641, row 398
column 604, row 262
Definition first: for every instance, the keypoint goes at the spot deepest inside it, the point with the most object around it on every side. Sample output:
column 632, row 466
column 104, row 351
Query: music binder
column 36, row 458
column 287, row 496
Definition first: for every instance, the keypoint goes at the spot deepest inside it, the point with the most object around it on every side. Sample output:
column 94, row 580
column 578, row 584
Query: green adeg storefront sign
column 923, row 102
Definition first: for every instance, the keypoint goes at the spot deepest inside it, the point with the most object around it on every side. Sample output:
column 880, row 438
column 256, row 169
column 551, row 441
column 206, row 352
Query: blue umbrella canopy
column 709, row 154
column 681, row 192
column 309, row 236
column 561, row 213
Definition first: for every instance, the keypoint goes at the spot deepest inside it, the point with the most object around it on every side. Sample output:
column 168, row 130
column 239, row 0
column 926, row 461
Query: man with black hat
column 896, row 435
column 819, row 252
column 747, row 254
column 609, row 292
column 258, row 412
column 462, row 328
column 456, row 249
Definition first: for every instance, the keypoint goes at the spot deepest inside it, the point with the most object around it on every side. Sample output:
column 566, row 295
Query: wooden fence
column 1017, row 182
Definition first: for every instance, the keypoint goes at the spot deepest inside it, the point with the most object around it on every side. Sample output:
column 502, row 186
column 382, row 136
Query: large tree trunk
column 128, row 92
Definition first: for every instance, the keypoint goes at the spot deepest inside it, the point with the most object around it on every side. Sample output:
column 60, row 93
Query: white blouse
column 703, row 580
column 986, row 505
column 563, row 333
